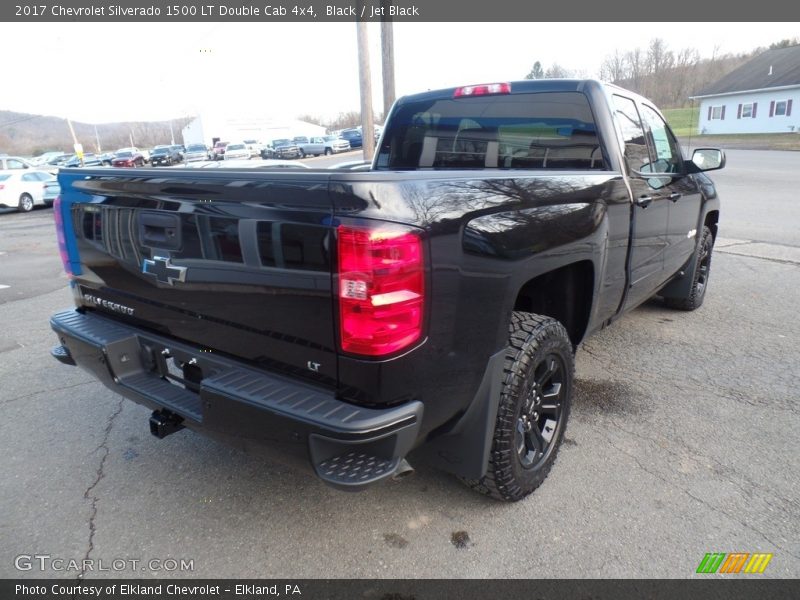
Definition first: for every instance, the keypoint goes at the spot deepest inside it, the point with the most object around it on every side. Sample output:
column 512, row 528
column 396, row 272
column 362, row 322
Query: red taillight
column 381, row 289
column 484, row 89
column 62, row 245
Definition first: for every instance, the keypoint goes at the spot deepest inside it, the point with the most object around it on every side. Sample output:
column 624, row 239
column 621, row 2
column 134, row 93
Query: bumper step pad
column 355, row 467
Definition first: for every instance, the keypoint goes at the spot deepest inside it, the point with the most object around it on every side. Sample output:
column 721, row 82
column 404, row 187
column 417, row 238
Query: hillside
column 29, row 135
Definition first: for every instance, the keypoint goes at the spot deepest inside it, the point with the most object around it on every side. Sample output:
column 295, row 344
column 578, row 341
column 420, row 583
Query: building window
column 780, row 108
column 716, row 113
column 747, row 111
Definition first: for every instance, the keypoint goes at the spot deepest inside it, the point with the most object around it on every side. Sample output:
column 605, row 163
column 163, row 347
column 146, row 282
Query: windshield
column 236, row 147
column 280, row 142
column 196, row 148
column 545, row 130
column 124, row 154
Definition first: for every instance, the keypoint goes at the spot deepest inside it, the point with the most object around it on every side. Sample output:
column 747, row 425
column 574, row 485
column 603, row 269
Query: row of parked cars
column 287, row 148
column 167, row 154
column 26, row 183
column 283, row 148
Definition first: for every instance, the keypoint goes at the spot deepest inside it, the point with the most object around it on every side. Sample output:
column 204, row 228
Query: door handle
column 644, row 201
column 674, row 196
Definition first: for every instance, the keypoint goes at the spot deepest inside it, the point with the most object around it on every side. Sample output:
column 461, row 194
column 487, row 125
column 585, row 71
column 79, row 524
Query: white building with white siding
column 761, row 96
column 208, row 126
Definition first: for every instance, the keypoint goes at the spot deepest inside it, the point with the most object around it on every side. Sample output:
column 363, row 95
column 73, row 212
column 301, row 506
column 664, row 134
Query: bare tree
column 557, row 71
column 614, row 67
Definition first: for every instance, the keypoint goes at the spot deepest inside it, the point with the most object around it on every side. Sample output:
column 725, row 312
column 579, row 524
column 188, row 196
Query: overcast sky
column 98, row 73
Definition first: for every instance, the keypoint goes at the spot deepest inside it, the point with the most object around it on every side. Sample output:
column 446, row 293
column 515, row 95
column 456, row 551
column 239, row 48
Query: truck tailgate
column 236, row 263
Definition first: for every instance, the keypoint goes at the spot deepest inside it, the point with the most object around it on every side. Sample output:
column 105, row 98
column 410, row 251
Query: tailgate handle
column 159, row 230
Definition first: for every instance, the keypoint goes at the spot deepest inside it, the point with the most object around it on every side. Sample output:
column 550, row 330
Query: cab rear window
column 544, row 130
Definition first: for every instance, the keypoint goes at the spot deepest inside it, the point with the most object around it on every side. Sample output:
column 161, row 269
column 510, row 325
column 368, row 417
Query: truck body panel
column 230, row 287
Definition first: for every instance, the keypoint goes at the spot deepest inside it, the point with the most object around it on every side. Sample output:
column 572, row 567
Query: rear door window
column 637, row 156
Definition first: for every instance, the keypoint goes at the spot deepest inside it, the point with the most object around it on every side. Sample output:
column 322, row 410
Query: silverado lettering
column 426, row 309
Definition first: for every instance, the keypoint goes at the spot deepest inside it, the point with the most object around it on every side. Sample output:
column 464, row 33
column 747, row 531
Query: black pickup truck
column 427, row 309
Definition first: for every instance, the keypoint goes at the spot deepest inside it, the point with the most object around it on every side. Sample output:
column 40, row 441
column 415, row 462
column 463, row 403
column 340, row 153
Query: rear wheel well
column 564, row 294
column 712, row 218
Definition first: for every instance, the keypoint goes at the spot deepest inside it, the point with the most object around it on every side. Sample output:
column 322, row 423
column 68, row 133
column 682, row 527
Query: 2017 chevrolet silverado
column 428, row 308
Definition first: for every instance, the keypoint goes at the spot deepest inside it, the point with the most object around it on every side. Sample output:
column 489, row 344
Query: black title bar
column 316, row 11
column 710, row 588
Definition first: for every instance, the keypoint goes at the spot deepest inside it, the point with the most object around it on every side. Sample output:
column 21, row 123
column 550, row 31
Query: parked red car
column 218, row 152
column 128, row 159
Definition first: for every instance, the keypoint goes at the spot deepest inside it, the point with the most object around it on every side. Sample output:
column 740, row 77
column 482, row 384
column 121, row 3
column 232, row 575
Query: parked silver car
column 330, row 144
column 195, row 152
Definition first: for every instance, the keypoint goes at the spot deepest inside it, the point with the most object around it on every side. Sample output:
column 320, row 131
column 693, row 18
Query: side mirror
column 707, row 159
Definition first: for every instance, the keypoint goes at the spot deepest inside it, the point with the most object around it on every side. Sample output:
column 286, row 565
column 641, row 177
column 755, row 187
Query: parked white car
column 24, row 189
column 237, row 150
column 255, row 148
column 15, row 162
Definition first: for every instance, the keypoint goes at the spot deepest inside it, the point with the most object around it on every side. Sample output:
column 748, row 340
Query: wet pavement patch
column 394, row 540
column 607, row 397
column 460, row 539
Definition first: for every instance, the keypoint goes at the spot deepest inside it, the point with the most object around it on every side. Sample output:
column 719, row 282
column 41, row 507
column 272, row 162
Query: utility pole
column 75, row 145
column 97, row 139
column 387, row 60
column 171, row 135
column 365, row 83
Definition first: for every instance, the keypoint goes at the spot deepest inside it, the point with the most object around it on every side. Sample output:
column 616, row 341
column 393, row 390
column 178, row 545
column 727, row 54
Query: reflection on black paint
column 224, row 236
column 293, row 246
column 523, row 232
column 210, row 238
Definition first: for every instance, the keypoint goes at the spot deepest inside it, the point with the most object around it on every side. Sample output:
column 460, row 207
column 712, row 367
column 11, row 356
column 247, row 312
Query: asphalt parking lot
column 682, row 441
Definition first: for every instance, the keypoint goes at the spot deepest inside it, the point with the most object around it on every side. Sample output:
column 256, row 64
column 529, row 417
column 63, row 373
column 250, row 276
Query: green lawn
column 683, row 121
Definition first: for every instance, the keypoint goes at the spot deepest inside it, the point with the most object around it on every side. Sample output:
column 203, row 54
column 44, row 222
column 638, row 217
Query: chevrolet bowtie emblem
column 163, row 270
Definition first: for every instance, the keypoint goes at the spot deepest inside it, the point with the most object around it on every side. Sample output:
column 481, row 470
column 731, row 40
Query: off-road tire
column 701, row 265
column 533, row 341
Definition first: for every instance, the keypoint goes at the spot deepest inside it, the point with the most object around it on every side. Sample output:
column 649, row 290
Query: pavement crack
column 99, row 474
column 744, row 484
column 781, row 261
column 740, row 243
column 31, row 394
column 710, row 507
